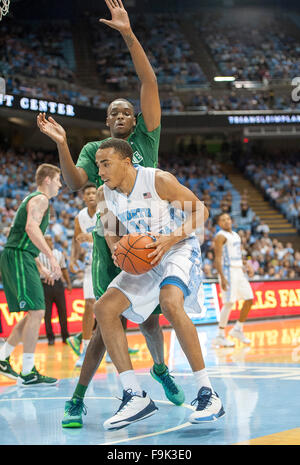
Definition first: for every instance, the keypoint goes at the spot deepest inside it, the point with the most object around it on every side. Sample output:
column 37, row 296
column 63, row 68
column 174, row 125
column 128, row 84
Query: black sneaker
column 34, row 378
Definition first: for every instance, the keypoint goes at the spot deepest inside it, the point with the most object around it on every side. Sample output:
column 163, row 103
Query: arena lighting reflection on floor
column 273, row 341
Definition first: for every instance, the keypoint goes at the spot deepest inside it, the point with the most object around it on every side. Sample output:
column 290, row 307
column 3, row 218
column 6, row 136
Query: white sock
column 85, row 343
column 239, row 325
column 202, row 379
column 129, row 381
column 28, row 363
column 6, row 350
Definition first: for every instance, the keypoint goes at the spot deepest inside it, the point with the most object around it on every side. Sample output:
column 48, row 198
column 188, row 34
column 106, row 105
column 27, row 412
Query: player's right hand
column 46, row 275
column 224, row 283
column 119, row 17
column 51, row 128
column 55, row 269
column 114, row 248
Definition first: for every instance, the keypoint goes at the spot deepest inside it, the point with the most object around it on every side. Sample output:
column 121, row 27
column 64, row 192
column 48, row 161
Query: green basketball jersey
column 18, row 238
column 144, row 144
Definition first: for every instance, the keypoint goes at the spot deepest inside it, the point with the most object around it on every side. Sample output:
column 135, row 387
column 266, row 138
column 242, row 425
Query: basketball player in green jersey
column 21, row 275
column 143, row 133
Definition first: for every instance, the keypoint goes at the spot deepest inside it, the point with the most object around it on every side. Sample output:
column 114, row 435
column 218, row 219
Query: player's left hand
column 162, row 244
column 119, row 17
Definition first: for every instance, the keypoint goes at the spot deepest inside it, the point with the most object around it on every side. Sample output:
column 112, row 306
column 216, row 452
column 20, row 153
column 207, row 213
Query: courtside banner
column 75, row 309
column 271, row 299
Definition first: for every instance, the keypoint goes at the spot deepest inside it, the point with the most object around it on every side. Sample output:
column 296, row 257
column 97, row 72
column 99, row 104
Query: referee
column 56, row 293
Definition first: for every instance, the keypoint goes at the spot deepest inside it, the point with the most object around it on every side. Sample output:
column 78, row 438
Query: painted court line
column 155, row 433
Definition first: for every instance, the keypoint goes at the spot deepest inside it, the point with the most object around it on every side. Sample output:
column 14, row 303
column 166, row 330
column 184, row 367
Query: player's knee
column 170, row 306
column 100, row 310
column 105, row 310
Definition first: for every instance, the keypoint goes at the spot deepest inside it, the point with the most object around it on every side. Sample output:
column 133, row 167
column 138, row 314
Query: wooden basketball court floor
column 258, row 384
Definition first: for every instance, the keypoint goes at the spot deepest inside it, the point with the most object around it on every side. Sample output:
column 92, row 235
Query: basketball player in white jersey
column 233, row 281
column 84, row 224
column 139, row 199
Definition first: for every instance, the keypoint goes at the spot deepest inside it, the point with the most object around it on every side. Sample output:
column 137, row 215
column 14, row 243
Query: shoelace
column 76, row 408
column 202, row 400
column 168, row 381
column 127, row 398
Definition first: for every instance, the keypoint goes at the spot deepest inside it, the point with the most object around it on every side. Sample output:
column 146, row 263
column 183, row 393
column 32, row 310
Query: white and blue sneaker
column 133, row 408
column 80, row 360
column 209, row 406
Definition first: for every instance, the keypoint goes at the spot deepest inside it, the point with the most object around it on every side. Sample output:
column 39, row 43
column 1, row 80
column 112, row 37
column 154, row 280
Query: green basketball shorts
column 21, row 281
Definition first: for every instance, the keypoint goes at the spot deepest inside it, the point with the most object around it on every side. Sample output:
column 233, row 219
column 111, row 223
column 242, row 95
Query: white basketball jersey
column 87, row 225
column 232, row 251
column 143, row 210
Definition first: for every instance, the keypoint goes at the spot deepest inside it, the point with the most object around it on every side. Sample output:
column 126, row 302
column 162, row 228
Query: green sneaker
column 133, row 351
column 7, row 370
column 172, row 390
column 74, row 342
column 34, row 378
column 74, row 409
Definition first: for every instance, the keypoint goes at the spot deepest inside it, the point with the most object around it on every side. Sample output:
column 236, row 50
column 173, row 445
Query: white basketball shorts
column 239, row 287
column 181, row 266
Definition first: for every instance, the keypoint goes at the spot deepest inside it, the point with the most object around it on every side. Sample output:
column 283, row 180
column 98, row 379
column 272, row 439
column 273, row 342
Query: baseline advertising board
column 271, row 299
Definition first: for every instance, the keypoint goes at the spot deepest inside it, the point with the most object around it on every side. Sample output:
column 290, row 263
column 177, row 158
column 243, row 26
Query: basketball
column 131, row 254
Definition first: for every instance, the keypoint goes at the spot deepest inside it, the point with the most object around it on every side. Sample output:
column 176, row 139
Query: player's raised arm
column 74, row 176
column 149, row 95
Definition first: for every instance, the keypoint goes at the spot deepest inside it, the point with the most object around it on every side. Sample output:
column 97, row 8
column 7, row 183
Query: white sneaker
column 209, row 407
column 221, row 341
column 133, row 408
column 238, row 333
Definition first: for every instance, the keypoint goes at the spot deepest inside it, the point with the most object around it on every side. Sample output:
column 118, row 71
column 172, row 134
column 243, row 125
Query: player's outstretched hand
column 119, row 17
column 51, row 128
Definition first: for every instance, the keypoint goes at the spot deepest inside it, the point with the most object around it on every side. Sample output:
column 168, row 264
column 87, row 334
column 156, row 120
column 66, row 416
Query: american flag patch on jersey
column 147, row 195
